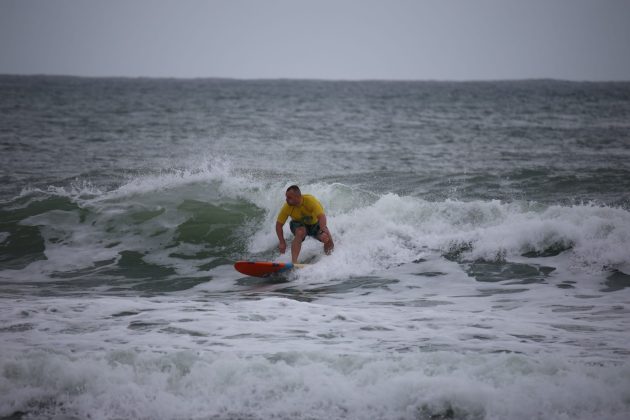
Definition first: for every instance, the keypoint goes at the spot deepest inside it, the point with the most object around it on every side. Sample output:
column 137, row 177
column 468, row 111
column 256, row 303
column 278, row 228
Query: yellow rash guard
column 306, row 212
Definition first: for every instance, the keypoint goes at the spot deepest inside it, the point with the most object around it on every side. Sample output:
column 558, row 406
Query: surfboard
column 264, row 268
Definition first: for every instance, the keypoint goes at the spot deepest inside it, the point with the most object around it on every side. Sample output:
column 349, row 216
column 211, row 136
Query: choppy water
column 481, row 269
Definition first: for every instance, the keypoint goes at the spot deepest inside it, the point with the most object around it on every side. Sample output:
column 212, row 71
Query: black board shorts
column 311, row 230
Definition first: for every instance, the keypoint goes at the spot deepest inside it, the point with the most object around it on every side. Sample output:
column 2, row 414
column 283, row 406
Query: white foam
column 78, row 189
column 307, row 386
column 395, row 230
column 421, row 346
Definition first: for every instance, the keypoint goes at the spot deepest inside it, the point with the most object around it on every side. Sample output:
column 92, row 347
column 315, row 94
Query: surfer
column 307, row 219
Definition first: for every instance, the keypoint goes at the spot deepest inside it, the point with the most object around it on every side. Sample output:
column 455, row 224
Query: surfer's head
column 294, row 195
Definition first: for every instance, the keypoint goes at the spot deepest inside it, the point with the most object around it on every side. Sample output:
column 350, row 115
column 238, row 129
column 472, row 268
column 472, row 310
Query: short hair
column 294, row 188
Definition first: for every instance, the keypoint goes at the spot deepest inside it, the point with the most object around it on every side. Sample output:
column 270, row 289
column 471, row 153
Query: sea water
column 481, row 267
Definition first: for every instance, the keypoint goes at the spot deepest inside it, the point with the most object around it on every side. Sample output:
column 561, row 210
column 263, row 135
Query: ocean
column 481, row 267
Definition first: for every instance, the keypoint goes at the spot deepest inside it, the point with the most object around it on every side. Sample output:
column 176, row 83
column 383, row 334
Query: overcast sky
column 336, row 39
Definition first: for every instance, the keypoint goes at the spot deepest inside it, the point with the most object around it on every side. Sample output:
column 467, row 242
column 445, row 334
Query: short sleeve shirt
column 306, row 212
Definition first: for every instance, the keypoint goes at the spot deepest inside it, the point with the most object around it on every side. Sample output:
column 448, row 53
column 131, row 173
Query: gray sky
column 323, row 39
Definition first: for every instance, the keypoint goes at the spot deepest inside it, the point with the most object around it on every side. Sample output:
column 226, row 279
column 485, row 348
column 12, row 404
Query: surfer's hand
column 282, row 247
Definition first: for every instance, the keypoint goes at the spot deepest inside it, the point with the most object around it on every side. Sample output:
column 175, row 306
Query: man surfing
column 307, row 219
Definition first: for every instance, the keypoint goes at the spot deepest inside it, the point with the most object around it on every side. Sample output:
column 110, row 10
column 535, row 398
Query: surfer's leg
column 328, row 242
column 328, row 247
column 296, row 244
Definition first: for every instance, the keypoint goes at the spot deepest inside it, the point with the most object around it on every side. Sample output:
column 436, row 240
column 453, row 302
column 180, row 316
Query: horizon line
column 315, row 79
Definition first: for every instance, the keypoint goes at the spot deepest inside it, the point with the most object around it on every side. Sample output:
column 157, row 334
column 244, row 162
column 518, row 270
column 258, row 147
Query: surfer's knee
column 326, row 239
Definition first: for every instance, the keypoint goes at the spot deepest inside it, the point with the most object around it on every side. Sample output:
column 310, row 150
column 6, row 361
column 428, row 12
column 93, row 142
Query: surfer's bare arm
column 282, row 246
column 321, row 219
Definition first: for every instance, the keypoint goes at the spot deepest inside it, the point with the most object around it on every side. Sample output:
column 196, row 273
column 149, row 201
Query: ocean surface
column 481, row 267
